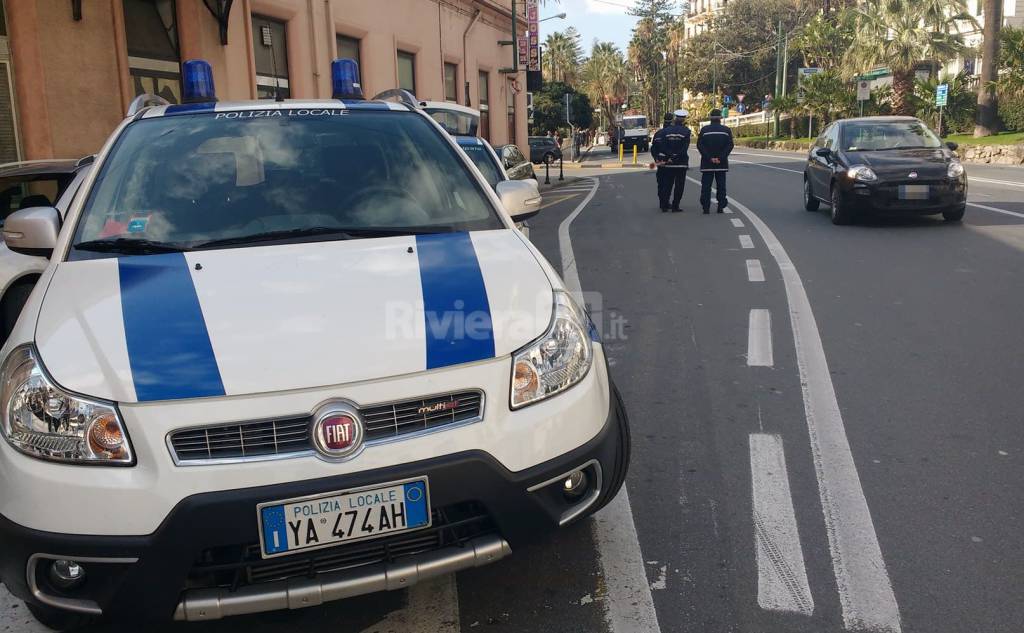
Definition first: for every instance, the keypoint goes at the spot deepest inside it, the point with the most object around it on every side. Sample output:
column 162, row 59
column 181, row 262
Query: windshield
column 455, row 123
column 483, row 160
column 876, row 136
column 634, row 122
column 191, row 179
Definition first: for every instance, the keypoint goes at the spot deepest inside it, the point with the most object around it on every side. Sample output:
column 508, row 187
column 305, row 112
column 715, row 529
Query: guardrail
column 747, row 119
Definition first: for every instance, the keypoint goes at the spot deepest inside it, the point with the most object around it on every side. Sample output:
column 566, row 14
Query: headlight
column 557, row 360
column 42, row 420
column 862, row 173
column 956, row 169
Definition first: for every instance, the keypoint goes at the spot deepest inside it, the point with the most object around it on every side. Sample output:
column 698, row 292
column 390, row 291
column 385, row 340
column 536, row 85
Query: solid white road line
column 781, row 575
column 759, row 339
column 988, row 208
column 628, row 603
column 1008, row 183
column 798, row 157
column 865, row 590
column 754, row 270
column 746, row 242
column 747, row 162
column 432, row 606
column 738, row 223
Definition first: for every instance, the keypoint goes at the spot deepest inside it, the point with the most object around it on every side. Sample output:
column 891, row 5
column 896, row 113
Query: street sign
column 801, row 74
column 941, row 94
column 533, row 33
column 727, row 99
column 725, row 111
column 863, row 90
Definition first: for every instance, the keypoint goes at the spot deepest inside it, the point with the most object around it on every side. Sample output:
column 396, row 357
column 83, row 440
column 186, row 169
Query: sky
column 605, row 20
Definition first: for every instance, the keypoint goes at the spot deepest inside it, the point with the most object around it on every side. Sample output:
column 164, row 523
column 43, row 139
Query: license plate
column 307, row 523
column 913, row 192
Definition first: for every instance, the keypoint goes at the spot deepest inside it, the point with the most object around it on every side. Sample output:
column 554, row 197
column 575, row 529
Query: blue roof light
column 197, row 82
column 345, row 79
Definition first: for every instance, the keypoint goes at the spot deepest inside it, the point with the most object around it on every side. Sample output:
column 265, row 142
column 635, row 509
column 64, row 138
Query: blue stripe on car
column 355, row 104
column 455, row 307
column 189, row 108
column 169, row 348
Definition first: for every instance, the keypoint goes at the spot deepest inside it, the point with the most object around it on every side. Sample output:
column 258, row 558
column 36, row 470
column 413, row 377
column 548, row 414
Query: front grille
column 236, row 566
column 285, row 437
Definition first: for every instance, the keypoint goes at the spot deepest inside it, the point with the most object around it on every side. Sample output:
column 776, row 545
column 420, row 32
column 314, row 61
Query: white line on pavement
column 432, row 606
column 781, row 575
column 628, row 604
column 759, row 339
column 754, row 270
column 988, row 208
column 990, row 181
column 865, row 590
column 747, row 162
column 746, row 242
column 738, row 223
column 782, row 156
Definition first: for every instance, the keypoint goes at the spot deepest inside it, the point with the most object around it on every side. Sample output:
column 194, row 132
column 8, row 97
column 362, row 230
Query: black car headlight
column 557, row 360
column 42, row 420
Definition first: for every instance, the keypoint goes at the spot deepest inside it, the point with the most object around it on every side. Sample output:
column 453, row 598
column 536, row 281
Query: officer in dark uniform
column 669, row 150
column 714, row 142
column 660, row 174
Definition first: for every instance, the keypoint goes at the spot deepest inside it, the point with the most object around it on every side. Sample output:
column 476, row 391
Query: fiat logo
column 337, row 432
column 913, row 174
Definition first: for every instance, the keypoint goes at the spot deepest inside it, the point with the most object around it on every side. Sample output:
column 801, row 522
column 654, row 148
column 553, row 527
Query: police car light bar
column 345, row 79
column 197, row 82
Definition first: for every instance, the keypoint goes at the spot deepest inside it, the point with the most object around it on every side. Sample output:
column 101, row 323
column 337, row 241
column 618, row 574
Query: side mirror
column 32, row 231
column 824, row 152
column 520, row 198
column 951, row 145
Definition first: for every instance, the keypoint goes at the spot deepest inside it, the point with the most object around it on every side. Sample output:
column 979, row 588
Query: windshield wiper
column 130, row 246
column 345, row 233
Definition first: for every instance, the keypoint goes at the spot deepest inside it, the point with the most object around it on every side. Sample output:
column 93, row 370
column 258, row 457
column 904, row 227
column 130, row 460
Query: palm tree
column 901, row 35
column 987, row 103
column 1011, row 55
column 606, row 78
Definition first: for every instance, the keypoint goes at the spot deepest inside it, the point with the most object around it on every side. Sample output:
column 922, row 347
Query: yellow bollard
column 634, row 154
column 621, row 149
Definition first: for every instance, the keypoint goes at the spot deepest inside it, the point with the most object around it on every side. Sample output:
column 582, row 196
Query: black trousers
column 669, row 178
column 706, row 179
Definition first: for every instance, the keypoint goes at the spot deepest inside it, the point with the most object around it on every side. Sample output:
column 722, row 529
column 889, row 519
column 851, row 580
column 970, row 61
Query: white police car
column 286, row 353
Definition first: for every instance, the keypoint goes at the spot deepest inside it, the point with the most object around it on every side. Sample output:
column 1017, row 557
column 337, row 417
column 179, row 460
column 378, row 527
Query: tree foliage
column 606, row 79
column 549, row 108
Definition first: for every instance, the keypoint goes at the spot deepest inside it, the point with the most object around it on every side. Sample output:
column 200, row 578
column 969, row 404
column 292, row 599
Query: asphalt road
column 835, row 448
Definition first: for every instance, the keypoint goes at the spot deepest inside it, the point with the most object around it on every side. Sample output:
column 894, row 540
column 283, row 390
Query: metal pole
column 561, row 172
column 547, row 172
column 940, row 121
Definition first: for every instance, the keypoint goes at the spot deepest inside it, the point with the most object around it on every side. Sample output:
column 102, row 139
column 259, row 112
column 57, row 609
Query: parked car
column 889, row 164
column 38, row 183
column 543, row 150
column 516, row 165
column 272, row 334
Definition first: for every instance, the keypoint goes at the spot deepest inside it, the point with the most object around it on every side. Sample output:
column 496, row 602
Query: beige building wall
column 72, row 81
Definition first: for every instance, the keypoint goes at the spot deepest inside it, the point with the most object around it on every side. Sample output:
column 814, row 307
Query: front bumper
column 884, row 197
column 162, row 575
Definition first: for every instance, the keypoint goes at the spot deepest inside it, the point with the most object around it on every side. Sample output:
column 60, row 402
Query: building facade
column 1013, row 16
column 70, row 68
column 699, row 14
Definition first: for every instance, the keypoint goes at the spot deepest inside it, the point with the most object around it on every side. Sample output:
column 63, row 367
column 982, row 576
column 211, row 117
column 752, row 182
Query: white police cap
column 682, row 113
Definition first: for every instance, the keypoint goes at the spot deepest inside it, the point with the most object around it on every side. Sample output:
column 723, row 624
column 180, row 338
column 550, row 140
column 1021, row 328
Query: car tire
column 810, row 202
column 954, row 215
column 841, row 212
column 11, row 306
column 58, row 619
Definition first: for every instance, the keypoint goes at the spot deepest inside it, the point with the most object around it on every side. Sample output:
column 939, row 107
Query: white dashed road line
column 746, row 242
column 738, row 223
column 628, row 603
column 1003, row 211
column 759, row 339
column 781, row 575
column 754, row 270
column 865, row 589
column 990, row 181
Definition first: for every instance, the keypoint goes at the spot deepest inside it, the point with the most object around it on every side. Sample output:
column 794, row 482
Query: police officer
column 669, row 150
column 714, row 142
column 660, row 174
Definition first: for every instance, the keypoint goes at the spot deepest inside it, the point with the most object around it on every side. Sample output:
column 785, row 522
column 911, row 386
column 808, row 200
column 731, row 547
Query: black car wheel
column 841, row 212
column 810, row 202
column 58, row 619
column 954, row 215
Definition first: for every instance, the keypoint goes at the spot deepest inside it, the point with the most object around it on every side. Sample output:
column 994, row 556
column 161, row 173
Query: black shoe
column 721, row 209
column 664, row 209
column 676, row 210
column 707, row 210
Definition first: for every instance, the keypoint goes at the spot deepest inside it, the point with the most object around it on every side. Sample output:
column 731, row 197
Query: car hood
column 898, row 163
column 272, row 318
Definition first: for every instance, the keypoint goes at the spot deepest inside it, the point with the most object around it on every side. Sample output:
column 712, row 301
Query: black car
column 543, row 150
column 892, row 165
